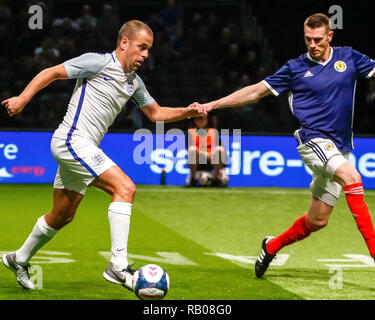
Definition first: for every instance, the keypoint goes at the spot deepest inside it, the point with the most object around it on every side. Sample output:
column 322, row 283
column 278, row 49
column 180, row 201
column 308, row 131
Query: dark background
column 199, row 54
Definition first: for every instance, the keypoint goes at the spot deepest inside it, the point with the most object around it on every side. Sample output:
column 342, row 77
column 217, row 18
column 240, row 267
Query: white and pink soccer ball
column 151, row 282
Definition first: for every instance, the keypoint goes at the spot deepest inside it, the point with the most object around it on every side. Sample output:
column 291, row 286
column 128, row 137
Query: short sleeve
column 141, row 96
column 279, row 81
column 364, row 65
column 86, row 65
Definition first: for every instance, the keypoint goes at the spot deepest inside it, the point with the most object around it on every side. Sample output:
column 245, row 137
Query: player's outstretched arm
column 246, row 95
column 16, row 104
column 155, row 112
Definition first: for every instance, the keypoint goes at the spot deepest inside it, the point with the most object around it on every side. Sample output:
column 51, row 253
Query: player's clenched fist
column 14, row 105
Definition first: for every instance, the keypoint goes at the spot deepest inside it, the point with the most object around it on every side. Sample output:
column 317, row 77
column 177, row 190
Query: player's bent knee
column 132, row 189
column 356, row 177
column 125, row 191
column 347, row 174
column 352, row 178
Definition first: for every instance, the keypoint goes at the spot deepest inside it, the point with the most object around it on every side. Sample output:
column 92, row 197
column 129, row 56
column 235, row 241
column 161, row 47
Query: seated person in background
column 205, row 153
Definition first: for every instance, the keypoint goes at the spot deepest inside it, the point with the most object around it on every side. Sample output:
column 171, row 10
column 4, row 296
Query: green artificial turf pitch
column 207, row 239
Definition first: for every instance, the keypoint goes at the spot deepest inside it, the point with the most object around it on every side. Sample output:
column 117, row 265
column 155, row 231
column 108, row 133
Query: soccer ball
column 205, row 179
column 224, row 179
column 151, row 282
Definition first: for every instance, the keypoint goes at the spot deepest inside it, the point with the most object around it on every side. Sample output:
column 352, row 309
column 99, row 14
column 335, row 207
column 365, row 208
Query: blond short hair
column 130, row 28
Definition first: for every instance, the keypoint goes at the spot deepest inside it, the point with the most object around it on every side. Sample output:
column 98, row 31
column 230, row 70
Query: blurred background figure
column 206, row 156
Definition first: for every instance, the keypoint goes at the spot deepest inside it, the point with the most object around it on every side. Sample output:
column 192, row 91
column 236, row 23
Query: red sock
column 361, row 214
column 298, row 231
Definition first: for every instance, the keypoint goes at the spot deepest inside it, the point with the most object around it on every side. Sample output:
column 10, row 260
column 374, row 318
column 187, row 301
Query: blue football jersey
column 321, row 94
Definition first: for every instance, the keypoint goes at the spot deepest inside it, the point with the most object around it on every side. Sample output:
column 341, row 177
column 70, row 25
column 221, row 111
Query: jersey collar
column 320, row 62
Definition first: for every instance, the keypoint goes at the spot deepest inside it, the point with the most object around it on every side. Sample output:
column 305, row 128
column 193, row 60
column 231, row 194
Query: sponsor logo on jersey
column 340, row 66
column 308, row 74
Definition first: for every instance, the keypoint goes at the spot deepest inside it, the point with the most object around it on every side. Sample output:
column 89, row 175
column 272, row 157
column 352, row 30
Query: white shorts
column 80, row 162
column 323, row 158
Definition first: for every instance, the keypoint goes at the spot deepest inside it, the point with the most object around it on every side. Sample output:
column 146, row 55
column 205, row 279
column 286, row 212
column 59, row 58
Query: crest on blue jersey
column 340, row 66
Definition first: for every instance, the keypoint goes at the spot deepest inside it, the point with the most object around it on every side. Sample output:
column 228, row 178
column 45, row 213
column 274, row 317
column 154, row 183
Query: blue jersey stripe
column 74, row 127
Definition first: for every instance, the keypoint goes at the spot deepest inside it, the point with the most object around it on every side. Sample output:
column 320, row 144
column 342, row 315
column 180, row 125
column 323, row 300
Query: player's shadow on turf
column 315, row 275
column 301, row 273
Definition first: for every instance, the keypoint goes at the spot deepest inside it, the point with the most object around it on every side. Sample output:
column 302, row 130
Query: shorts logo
column 98, row 158
column 340, row 66
column 329, row 146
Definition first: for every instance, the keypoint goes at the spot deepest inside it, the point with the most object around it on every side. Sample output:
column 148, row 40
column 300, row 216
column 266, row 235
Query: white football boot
column 21, row 272
column 123, row 277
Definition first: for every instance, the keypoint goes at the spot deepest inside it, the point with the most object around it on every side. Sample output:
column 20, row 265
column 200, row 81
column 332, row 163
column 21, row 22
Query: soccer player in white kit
column 105, row 82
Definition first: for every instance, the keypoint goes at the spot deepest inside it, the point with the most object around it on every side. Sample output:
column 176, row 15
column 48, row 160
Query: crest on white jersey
column 98, row 158
column 130, row 86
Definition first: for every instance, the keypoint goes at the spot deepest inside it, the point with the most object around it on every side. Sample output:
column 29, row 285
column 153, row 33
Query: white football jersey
column 101, row 91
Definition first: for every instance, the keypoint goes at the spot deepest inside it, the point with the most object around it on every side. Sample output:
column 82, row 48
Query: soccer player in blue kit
column 321, row 88
column 105, row 82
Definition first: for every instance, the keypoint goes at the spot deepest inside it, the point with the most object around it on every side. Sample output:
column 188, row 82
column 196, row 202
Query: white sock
column 40, row 235
column 119, row 222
